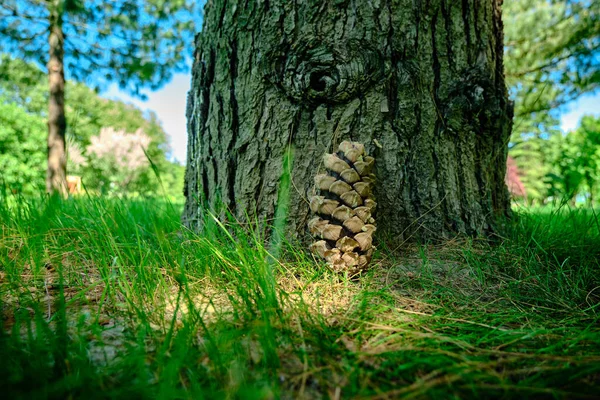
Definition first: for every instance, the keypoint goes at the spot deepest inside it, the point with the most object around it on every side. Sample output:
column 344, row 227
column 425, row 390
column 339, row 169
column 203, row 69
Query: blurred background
column 124, row 142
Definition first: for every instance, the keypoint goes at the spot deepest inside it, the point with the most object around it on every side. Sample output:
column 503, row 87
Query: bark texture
column 420, row 83
column 56, row 177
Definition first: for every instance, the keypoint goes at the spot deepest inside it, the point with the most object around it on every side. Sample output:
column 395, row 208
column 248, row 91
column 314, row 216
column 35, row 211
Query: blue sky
column 169, row 104
column 585, row 105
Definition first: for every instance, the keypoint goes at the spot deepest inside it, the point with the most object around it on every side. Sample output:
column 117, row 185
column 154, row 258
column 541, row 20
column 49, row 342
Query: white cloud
column 585, row 105
column 169, row 105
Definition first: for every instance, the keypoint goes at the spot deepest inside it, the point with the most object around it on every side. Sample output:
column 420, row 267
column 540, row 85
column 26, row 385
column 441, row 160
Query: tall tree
column 532, row 152
column 23, row 111
column 421, row 84
column 131, row 42
column 552, row 57
column 552, row 49
column 578, row 161
column 56, row 177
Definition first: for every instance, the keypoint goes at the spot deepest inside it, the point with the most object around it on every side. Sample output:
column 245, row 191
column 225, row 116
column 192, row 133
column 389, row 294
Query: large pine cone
column 344, row 206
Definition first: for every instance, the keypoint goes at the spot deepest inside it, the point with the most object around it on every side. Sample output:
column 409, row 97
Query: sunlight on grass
column 114, row 298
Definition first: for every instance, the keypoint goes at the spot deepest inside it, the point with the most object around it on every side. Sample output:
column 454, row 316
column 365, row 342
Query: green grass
column 114, row 299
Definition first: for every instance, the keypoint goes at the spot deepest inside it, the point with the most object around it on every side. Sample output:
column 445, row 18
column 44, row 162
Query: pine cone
column 344, row 224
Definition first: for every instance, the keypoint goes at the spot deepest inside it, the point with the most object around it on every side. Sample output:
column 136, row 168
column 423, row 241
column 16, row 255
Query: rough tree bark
column 56, row 176
column 419, row 82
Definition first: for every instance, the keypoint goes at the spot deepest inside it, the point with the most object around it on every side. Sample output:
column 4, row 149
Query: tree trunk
column 420, row 83
column 56, row 177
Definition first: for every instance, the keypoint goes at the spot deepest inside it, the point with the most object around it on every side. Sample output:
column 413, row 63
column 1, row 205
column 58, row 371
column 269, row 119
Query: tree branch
column 553, row 63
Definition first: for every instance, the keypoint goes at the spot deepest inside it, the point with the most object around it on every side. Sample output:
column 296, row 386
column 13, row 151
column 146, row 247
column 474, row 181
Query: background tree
column 532, row 154
column 23, row 99
column 513, row 179
column 119, row 157
column 130, row 42
column 423, row 79
column 578, row 161
column 588, row 136
column 552, row 53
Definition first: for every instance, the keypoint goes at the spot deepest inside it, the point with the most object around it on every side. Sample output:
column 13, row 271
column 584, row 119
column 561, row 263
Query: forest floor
column 114, row 299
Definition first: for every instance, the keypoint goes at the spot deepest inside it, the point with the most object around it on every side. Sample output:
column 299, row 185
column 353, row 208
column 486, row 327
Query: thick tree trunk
column 420, row 83
column 56, row 177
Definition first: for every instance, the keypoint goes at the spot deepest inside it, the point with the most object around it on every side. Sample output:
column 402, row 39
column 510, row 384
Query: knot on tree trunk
column 316, row 72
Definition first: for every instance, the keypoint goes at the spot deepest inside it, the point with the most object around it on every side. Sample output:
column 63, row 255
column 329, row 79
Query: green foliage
column 551, row 50
column 133, row 43
column 172, row 176
column 113, row 298
column 551, row 57
column 560, row 167
column 533, row 154
column 22, row 139
column 87, row 112
column 23, row 88
column 578, row 163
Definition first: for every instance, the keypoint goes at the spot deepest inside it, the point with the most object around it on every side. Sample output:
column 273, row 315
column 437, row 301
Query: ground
column 114, row 298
